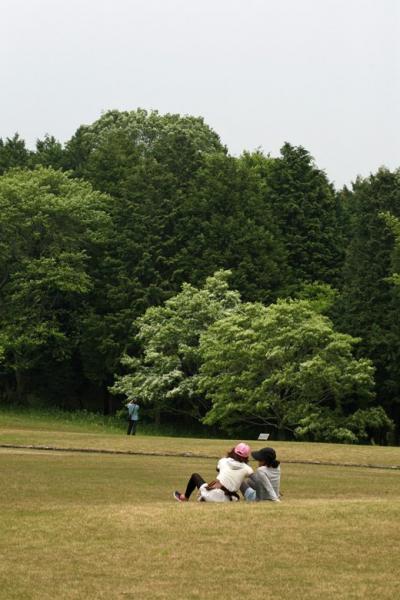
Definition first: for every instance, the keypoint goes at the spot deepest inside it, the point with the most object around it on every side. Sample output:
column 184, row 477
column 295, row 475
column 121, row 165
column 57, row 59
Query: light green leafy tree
column 278, row 365
column 322, row 425
column 321, row 296
column 164, row 378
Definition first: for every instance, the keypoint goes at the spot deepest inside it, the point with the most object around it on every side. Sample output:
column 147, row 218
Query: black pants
column 194, row 482
column 132, row 427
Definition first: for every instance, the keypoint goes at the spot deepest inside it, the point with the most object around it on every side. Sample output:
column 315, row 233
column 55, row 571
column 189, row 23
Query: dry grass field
column 82, row 526
column 17, row 429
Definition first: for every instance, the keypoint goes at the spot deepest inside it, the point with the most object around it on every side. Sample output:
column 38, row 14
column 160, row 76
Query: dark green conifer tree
column 307, row 212
column 369, row 306
column 49, row 153
column 13, row 153
column 181, row 209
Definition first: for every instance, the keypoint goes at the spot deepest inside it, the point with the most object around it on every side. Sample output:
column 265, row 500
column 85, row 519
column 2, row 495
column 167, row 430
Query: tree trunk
column 281, row 434
column 20, row 385
column 108, row 401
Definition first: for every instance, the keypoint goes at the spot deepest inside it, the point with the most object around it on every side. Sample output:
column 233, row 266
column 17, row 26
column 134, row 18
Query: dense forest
column 141, row 258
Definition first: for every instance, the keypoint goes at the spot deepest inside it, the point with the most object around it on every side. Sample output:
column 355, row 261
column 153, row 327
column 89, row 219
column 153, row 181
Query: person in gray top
column 264, row 484
column 133, row 416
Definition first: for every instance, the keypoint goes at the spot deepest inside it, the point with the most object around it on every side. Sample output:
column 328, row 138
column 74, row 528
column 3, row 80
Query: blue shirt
column 133, row 410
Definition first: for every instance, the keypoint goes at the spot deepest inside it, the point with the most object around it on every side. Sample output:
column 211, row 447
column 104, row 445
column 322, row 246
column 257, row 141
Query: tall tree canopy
column 394, row 224
column 162, row 203
column 52, row 233
column 369, row 305
column 13, row 153
column 145, row 161
column 307, row 212
column 182, row 208
column 111, row 150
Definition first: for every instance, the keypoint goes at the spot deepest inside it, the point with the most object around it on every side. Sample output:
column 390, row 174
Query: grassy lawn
column 85, row 526
column 43, row 430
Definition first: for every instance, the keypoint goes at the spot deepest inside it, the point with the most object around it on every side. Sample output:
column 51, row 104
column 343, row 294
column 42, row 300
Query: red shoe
column 180, row 497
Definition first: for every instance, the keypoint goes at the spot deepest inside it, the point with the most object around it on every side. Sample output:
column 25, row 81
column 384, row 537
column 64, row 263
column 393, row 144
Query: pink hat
column 242, row 450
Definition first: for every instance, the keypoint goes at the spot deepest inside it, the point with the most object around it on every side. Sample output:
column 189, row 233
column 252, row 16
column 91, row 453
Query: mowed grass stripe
column 119, row 442
column 181, row 455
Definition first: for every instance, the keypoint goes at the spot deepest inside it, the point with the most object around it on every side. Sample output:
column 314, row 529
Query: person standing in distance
column 133, row 417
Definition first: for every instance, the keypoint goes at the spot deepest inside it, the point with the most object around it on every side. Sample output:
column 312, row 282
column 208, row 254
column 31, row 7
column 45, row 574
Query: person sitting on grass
column 232, row 471
column 265, row 482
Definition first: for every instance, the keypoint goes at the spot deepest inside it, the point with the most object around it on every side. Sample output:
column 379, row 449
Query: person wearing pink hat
column 232, row 470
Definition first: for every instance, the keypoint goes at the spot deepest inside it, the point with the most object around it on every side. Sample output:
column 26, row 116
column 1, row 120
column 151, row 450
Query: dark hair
column 232, row 454
column 266, row 456
column 271, row 463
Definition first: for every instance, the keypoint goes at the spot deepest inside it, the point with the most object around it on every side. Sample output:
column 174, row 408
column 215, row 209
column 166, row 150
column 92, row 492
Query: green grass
column 67, row 431
column 287, row 451
column 82, row 420
column 59, row 420
column 82, row 526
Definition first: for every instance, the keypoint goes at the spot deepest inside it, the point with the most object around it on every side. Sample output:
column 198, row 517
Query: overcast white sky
column 321, row 73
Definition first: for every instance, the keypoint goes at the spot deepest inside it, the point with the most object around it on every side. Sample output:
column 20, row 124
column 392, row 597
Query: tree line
column 98, row 236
